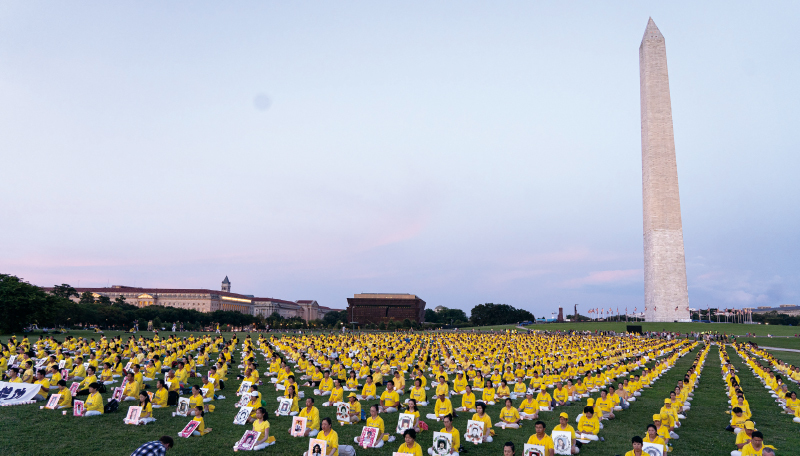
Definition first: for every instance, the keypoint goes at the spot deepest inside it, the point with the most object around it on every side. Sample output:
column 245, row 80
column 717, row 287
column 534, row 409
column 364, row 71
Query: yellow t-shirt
column 390, row 399
column 368, row 390
column 94, row 402
column 456, row 437
column 312, row 417
column 509, row 415
column 416, row 450
column 332, row 440
column 546, row 441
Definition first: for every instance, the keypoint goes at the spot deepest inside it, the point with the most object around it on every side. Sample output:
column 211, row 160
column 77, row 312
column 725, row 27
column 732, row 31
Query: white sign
column 562, row 442
column 17, row 393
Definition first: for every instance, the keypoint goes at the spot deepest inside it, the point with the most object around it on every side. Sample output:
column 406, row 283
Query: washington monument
column 666, row 296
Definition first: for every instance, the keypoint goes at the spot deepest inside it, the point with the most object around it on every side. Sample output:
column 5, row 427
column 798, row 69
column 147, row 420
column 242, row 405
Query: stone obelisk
column 666, row 295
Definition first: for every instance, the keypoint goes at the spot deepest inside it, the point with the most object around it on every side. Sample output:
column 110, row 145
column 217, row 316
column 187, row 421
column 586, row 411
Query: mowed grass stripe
column 634, row 421
column 703, row 430
column 778, row 429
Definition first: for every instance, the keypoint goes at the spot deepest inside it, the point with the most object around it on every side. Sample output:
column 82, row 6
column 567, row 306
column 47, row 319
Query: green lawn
column 30, row 431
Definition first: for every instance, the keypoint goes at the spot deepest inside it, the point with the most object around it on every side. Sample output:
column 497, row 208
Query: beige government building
column 204, row 300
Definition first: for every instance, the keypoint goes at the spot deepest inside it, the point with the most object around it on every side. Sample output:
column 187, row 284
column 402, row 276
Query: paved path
column 779, row 349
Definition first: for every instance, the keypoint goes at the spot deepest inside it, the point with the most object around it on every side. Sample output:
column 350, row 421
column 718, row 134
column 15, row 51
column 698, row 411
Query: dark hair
column 95, row 385
column 167, row 440
column 510, row 445
column 410, row 432
column 449, row 416
column 651, row 426
column 264, row 411
column 588, row 409
column 540, row 422
column 637, row 439
column 737, row 410
column 61, row 383
column 757, row 434
column 330, row 423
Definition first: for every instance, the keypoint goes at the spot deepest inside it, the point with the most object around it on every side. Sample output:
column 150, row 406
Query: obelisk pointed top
column 652, row 32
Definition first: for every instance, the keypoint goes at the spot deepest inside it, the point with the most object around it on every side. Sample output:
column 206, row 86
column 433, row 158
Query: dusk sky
column 466, row 152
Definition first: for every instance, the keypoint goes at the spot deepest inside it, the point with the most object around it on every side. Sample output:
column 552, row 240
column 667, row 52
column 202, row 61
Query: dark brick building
column 382, row 307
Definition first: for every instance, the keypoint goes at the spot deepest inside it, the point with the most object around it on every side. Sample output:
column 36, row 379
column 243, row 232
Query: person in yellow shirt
column 442, row 407
column 261, row 425
column 460, row 383
column 560, row 395
column 65, row 401
column 653, row 437
column 368, row 391
column 455, row 437
column 529, row 408
column 131, row 390
column 604, row 405
column 399, row 383
column 161, row 396
column 588, row 425
column 509, row 416
column 743, row 438
column 418, row 393
column 481, row 415
column 756, row 446
column 413, row 410
column 330, row 437
column 545, row 400
column 374, row 420
column 467, row 400
column 564, row 426
column 311, row 414
column 410, row 445
column 337, row 394
column 355, row 408
column 389, row 399
column 201, row 429
column 542, row 439
column 147, row 409
column 44, row 383
column 94, row 403
column 636, row 441
column 488, row 394
column 737, row 421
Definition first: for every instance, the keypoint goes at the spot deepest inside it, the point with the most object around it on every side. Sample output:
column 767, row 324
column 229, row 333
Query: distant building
column 788, row 309
column 438, row 309
column 204, row 300
column 382, row 307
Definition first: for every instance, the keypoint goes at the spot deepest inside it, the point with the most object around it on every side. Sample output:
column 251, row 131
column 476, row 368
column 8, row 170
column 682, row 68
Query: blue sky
column 467, row 152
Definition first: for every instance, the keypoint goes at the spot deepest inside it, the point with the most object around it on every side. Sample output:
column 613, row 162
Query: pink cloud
column 619, row 276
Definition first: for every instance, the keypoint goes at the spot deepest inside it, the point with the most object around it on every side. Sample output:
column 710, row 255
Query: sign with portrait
column 183, row 407
column 187, row 431
column 404, row 422
column 78, row 408
column 284, row 406
column 242, row 415
column 442, row 443
column 653, row 449
column 133, row 415
column 533, row 450
column 52, row 403
column 368, row 436
column 248, row 441
column 317, row 447
column 562, row 442
column 343, row 412
column 244, row 387
column 298, row 428
column 474, row 432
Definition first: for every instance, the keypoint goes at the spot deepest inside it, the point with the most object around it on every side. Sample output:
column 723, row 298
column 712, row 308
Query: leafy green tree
column 104, row 300
column 64, row 291
column 23, row 304
column 87, row 298
column 120, row 300
column 498, row 314
column 431, row 316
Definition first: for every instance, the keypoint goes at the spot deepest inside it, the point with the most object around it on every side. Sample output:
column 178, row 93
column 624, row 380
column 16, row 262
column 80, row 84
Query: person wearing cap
column 564, row 426
column 636, row 441
column 467, row 400
column 653, row 437
column 355, row 409
column 454, row 435
column 588, row 425
column 661, row 429
column 743, row 438
column 542, row 439
column 529, row 408
column 545, row 400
